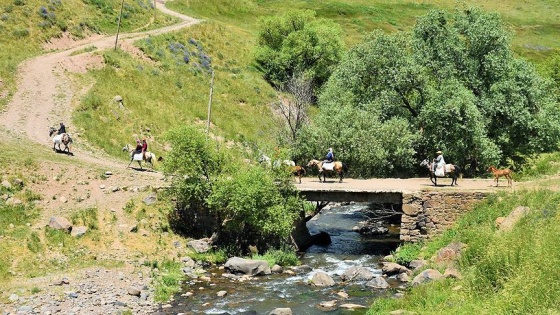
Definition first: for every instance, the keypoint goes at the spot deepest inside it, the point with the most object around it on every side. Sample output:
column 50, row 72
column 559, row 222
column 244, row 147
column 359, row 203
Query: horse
column 263, row 159
column 499, row 173
column 338, row 167
column 148, row 157
column 298, row 171
column 63, row 138
column 453, row 172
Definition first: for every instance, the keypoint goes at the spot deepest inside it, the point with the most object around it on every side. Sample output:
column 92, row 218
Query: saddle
column 442, row 170
column 328, row 166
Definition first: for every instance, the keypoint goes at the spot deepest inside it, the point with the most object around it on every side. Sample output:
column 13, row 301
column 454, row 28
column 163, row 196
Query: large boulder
column 449, row 253
column 201, row 245
column 60, row 223
column 509, row 222
column 281, row 311
column 357, row 273
column 321, row 279
column 390, row 268
column 427, row 276
column 247, row 266
column 377, row 283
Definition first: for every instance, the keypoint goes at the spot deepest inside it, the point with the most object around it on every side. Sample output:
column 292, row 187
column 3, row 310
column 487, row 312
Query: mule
column 338, row 167
column 63, row 138
column 148, row 157
column 451, row 171
column 499, row 173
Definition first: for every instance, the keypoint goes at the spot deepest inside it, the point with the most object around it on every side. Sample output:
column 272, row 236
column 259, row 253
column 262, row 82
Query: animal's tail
column 303, row 170
column 345, row 167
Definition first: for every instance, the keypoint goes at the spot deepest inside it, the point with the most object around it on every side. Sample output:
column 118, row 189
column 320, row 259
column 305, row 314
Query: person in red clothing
column 144, row 148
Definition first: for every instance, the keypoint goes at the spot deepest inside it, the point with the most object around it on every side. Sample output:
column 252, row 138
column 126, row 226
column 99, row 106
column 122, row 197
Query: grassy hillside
column 534, row 22
column 174, row 81
column 27, row 24
column 503, row 273
column 179, row 90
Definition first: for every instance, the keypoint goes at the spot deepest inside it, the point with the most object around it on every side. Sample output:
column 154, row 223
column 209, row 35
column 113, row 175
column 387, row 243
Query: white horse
column 263, row 159
column 148, row 157
column 63, row 138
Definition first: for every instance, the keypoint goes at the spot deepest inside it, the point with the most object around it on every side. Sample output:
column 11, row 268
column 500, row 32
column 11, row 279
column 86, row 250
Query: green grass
column 504, row 273
column 27, row 24
column 175, row 92
column 167, row 280
column 534, row 22
column 86, row 217
column 279, row 257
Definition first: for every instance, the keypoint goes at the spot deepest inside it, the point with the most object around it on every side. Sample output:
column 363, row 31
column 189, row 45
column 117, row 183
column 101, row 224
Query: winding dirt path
column 45, row 94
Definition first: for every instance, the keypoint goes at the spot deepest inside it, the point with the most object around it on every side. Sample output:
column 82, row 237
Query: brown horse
column 338, row 167
column 453, row 173
column 298, row 171
column 499, row 173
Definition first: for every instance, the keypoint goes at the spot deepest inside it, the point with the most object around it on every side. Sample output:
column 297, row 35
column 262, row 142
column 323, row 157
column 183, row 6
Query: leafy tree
column 456, row 84
column 298, row 44
column 232, row 203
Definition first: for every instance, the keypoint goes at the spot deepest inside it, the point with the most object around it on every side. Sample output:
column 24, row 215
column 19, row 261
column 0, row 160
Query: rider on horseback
column 62, row 129
column 439, row 161
column 144, row 148
column 330, row 156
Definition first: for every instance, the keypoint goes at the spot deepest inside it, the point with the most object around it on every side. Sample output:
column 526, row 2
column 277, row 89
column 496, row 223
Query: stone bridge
column 426, row 210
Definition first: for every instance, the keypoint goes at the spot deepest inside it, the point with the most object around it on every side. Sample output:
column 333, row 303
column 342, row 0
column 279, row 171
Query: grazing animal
column 338, row 167
column 148, row 158
column 499, row 173
column 298, row 171
column 63, row 138
column 451, row 171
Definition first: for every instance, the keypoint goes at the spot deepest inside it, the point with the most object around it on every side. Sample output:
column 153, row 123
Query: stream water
column 262, row 295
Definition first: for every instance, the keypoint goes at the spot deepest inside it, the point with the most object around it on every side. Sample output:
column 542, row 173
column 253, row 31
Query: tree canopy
column 234, row 203
column 296, row 44
column 451, row 84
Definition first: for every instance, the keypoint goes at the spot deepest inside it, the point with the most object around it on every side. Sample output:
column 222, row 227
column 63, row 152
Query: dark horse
column 454, row 171
column 338, row 167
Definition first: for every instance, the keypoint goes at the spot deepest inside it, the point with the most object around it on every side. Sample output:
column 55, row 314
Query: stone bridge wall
column 429, row 213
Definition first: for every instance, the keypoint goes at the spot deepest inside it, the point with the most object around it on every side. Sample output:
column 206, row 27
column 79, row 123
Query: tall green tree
column 296, row 44
column 456, row 83
column 232, row 203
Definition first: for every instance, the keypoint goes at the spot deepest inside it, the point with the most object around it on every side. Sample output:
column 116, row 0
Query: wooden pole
column 210, row 104
column 119, row 25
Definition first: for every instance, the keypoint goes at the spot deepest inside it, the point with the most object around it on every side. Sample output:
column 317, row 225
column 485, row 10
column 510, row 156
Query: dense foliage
column 298, row 44
column 236, row 204
column 452, row 83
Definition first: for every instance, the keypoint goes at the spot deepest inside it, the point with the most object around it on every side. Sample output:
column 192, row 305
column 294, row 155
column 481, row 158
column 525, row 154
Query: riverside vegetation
column 172, row 81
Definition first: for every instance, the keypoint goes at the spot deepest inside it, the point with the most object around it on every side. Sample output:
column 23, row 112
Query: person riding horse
column 62, row 129
column 439, row 161
column 330, row 156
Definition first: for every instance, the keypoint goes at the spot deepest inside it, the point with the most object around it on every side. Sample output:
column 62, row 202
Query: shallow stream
column 264, row 294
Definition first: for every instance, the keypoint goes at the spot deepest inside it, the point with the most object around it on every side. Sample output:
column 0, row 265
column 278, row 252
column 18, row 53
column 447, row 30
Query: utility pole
column 210, row 105
column 119, row 25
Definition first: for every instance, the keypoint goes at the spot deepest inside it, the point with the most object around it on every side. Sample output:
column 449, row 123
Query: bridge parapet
column 429, row 213
column 424, row 213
